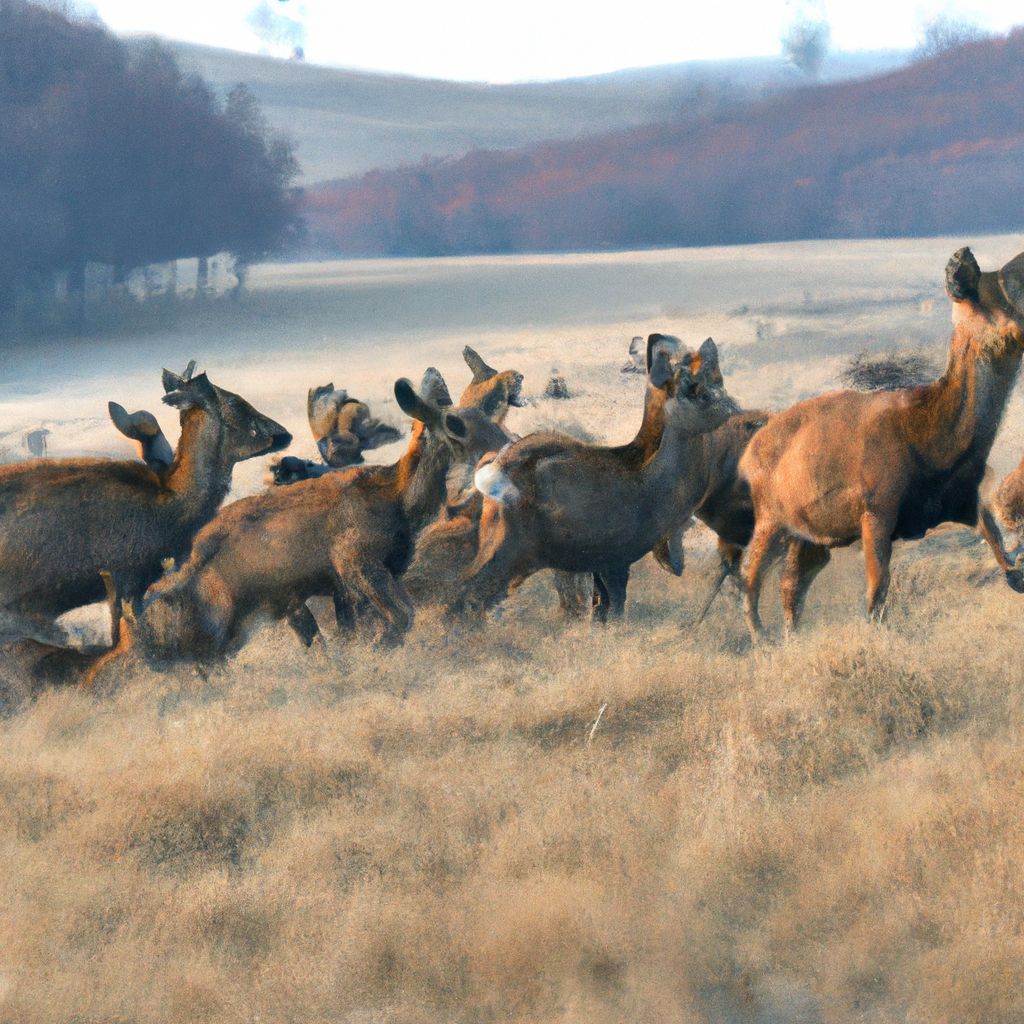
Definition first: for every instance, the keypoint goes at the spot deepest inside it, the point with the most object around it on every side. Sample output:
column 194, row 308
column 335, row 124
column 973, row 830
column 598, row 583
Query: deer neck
column 420, row 479
column 652, row 426
column 199, row 476
column 672, row 481
column 961, row 412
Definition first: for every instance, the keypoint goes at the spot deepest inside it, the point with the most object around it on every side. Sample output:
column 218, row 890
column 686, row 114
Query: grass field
column 828, row 830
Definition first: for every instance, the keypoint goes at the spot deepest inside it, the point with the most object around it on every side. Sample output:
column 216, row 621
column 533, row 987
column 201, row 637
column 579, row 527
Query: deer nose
column 280, row 439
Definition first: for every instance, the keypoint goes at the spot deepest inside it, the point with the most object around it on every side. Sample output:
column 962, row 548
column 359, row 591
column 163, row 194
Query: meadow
column 646, row 822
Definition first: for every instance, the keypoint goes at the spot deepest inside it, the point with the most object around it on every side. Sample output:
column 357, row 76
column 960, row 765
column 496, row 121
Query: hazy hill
column 934, row 147
column 346, row 122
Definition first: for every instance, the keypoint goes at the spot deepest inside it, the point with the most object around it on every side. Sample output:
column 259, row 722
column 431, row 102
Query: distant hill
column 935, row 147
column 346, row 122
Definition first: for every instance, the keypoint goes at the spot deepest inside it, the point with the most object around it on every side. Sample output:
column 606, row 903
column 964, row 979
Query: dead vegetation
column 827, row 831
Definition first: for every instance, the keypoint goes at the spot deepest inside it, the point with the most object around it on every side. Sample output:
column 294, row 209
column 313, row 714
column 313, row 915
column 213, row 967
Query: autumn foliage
column 935, row 147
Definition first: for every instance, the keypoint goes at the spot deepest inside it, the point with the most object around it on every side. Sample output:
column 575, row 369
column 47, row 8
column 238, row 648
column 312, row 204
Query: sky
column 529, row 40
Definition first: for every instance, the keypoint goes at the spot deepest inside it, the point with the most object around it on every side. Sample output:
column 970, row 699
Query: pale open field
column 829, row 830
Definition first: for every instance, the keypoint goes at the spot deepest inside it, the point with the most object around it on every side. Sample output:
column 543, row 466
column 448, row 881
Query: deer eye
column 252, row 432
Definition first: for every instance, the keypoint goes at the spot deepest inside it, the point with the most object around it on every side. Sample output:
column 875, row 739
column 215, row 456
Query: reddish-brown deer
column 886, row 466
column 349, row 535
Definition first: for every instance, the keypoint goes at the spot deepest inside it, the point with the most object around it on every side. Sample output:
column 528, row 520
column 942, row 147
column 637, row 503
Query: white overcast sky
column 484, row 40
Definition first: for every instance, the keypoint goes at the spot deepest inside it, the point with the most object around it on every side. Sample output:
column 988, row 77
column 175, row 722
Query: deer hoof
column 1015, row 580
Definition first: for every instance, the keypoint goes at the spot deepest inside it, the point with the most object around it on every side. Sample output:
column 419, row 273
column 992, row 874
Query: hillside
column 348, row 122
column 932, row 148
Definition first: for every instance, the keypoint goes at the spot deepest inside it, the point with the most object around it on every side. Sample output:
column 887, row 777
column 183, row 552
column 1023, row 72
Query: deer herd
column 470, row 511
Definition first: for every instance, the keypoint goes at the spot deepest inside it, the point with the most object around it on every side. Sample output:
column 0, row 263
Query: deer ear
column 962, row 275
column 171, row 381
column 120, row 418
column 195, row 393
column 412, row 405
column 660, row 371
column 481, row 371
column 455, row 426
column 434, row 389
column 1011, row 280
column 710, row 368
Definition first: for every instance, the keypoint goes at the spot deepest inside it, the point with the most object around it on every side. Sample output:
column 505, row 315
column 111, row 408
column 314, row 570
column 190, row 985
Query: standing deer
column 887, row 466
column 553, row 502
column 349, row 535
column 63, row 522
column 448, row 546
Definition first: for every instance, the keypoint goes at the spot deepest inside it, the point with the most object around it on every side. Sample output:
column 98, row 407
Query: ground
column 827, row 830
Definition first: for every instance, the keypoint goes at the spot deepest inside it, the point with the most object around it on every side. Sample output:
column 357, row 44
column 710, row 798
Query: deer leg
column 729, row 556
column 575, row 594
column 304, row 624
column 373, row 581
column 877, row 538
column 496, row 565
column 763, row 549
column 615, row 583
column 803, row 562
column 993, row 537
column 600, row 599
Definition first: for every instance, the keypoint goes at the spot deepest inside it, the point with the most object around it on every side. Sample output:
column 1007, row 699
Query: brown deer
column 553, row 502
column 448, row 546
column 886, row 466
column 63, row 522
column 349, row 535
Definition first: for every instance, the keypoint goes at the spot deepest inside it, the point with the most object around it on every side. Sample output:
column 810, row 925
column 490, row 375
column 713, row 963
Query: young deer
column 64, row 521
column 890, row 465
column 349, row 535
column 553, row 502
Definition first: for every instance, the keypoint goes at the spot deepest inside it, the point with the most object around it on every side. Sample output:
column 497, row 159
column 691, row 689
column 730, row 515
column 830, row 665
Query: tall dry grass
column 830, row 830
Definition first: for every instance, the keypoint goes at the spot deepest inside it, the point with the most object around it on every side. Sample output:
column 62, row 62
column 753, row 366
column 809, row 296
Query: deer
column 550, row 501
column 448, row 546
column 349, row 535
column 885, row 466
column 65, row 521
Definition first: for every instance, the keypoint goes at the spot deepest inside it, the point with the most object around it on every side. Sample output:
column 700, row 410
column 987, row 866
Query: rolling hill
column 347, row 122
column 934, row 147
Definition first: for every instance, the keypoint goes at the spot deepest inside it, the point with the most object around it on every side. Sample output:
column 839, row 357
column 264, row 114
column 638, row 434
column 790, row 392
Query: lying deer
column 890, row 465
column 64, row 521
column 553, row 502
column 349, row 535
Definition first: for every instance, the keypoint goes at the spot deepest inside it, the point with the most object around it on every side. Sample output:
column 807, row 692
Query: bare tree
column 946, row 33
column 805, row 44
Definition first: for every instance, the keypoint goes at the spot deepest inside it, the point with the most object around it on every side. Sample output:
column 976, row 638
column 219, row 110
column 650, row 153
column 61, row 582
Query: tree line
column 111, row 154
column 935, row 147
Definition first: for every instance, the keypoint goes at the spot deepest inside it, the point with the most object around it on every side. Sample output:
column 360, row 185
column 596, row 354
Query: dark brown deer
column 349, row 535
column 63, row 522
column 887, row 466
column 448, row 546
column 553, row 502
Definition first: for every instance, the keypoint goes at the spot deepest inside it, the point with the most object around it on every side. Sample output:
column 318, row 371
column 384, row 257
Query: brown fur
column 880, row 467
column 553, row 502
column 343, row 427
column 63, row 522
column 349, row 535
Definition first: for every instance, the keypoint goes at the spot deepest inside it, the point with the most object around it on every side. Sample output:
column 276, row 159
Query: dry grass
column 829, row 830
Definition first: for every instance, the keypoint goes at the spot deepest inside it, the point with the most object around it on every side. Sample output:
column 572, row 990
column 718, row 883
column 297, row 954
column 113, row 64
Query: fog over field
column 531, row 823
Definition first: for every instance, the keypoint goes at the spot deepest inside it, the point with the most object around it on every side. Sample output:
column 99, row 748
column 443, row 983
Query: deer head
column 996, row 295
column 497, row 389
column 698, row 401
column 247, row 433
